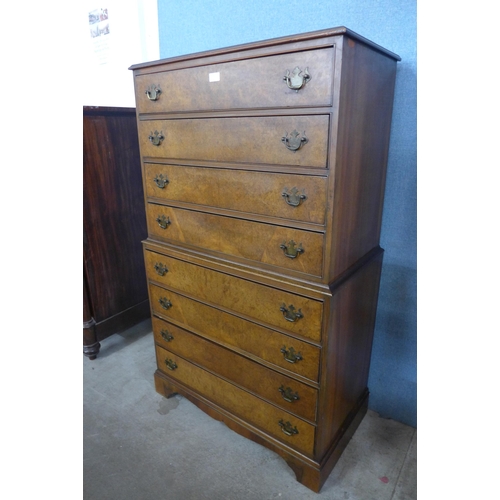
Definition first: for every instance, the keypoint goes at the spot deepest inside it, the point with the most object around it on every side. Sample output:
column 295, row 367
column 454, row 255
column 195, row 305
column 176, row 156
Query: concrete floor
column 141, row 446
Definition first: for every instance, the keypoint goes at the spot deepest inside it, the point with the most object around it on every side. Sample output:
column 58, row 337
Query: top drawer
column 250, row 83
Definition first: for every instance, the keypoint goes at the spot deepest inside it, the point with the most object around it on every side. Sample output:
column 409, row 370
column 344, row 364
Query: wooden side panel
column 365, row 112
column 114, row 219
column 347, row 353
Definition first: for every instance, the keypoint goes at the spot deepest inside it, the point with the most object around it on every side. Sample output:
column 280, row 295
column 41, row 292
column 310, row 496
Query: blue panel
column 197, row 25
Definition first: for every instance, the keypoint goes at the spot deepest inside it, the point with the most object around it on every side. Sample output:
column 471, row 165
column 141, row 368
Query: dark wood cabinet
column 115, row 294
column 264, row 173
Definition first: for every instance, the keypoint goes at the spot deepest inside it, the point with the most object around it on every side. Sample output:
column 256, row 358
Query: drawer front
column 251, row 140
column 239, row 402
column 251, row 299
column 251, row 240
column 288, row 196
column 238, row 333
column 283, row 391
column 249, row 83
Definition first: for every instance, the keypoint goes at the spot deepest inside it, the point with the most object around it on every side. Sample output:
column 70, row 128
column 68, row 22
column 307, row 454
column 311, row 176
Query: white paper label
column 214, row 77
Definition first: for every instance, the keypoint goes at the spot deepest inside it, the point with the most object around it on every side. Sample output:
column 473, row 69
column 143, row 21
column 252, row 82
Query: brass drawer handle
column 153, row 92
column 161, row 181
column 171, row 364
column 163, row 221
column 156, row 138
column 161, row 269
column 294, row 141
column 165, row 303
column 291, row 250
column 297, row 79
column 168, row 337
column 290, row 355
column 288, row 395
column 287, row 428
column 293, row 198
column 290, row 314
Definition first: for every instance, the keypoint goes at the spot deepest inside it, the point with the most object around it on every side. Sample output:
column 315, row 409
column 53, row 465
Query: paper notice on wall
column 100, row 35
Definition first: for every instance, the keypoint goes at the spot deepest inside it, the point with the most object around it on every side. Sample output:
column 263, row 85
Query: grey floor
column 140, row 446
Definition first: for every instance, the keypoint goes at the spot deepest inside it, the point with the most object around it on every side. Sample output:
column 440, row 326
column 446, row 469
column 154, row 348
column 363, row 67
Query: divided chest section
column 235, row 156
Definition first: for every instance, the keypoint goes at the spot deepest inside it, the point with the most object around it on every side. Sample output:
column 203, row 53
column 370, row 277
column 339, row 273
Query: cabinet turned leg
column 90, row 345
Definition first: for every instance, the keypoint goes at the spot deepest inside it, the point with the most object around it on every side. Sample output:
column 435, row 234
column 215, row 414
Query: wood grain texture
column 114, row 219
column 253, row 83
column 347, row 349
column 239, row 402
column 239, row 370
column 241, row 139
column 241, row 238
column 252, row 300
column 365, row 112
column 248, row 192
column 245, row 337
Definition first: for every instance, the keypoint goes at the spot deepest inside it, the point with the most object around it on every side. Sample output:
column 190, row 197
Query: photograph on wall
column 99, row 34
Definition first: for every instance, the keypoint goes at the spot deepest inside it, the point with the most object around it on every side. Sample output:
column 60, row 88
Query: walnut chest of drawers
column 264, row 171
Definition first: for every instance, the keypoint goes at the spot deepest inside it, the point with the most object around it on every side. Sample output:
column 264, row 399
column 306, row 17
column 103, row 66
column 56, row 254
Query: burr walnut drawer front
column 288, row 196
column 288, row 80
column 287, row 311
column 300, row 140
column 293, row 396
column 280, row 246
column 236, row 333
column 267, row 417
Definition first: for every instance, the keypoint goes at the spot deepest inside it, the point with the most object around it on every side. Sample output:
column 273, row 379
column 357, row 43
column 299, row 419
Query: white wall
column 132, row 39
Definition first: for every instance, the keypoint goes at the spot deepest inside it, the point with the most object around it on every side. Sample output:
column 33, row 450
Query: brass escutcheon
column 287, row 428
column 165, row 303
column 163, row 221
column 171, row 364
column 297, row 79
column 293, row 142
column 153, row 92
column 161, row 269
column 290, row 355
column 156, row 138
column 288, row 395
column 291, row 250
column 161, row 181
column 293, row 197
column 166, row 335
